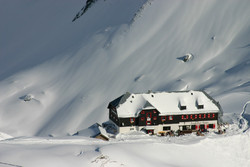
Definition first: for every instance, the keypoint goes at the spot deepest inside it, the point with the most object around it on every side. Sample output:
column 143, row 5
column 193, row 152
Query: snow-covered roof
column 167, row 103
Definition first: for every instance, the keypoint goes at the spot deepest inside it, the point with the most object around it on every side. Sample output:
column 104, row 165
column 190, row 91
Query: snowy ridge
column 84, row 9
column 138, row 14
column 244, row 118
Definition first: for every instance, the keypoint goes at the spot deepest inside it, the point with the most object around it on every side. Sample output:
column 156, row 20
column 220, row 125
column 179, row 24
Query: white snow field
column 58, row 76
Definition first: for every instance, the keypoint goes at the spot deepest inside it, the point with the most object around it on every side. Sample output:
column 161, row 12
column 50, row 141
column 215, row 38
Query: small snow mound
column 4, row 136
column 27, row 97
column 186, row 58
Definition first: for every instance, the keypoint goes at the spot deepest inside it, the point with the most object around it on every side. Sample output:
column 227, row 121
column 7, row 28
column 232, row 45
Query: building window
column 184, row 117
column 200, row 106
column 166, row 127
column 154, row 112
column 132, row 120
column 155, row 118
column 142, row 112
column 211, row 126
column 163, row 118
column 183, row 107
column 193, row 127
column 184, row 128
column 170, row 118
column 202, row 127
column 202, row 116
column 193, row 116
column 142, row 118
column 210, row 115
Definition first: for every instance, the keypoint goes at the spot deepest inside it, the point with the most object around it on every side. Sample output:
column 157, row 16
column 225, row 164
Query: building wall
column 113, row 116
column 151, row 118
column 174, row 127
column 148, row 117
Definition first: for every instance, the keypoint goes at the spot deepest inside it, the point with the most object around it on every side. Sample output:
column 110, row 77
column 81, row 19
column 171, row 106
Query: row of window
column 195, row 116
column 183, row 117
column 208, row 126
column 193, row 127
column 185, row 107
column 171, row 117
column 164, row 118
column 143, row 112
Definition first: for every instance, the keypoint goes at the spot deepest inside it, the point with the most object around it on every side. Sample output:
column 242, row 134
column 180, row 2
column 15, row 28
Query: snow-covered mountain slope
column 58, row 76
column 73, row 69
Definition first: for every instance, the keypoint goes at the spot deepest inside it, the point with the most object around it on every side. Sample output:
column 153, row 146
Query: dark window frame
column 202, row 116
column 183, row 107
column 166, row 128
column 201, row 106
column 202, row 126
column 193, row 127
column 184, row 118
column 132, row 120
column 163, row 118
column 195, row 116
column 210, row 126
column 170, row 117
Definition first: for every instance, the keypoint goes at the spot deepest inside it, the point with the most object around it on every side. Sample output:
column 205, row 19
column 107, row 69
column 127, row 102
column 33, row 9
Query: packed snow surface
column 58, row 76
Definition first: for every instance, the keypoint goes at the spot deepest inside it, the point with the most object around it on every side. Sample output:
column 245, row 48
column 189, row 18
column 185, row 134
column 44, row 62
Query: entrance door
column 148, row 118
